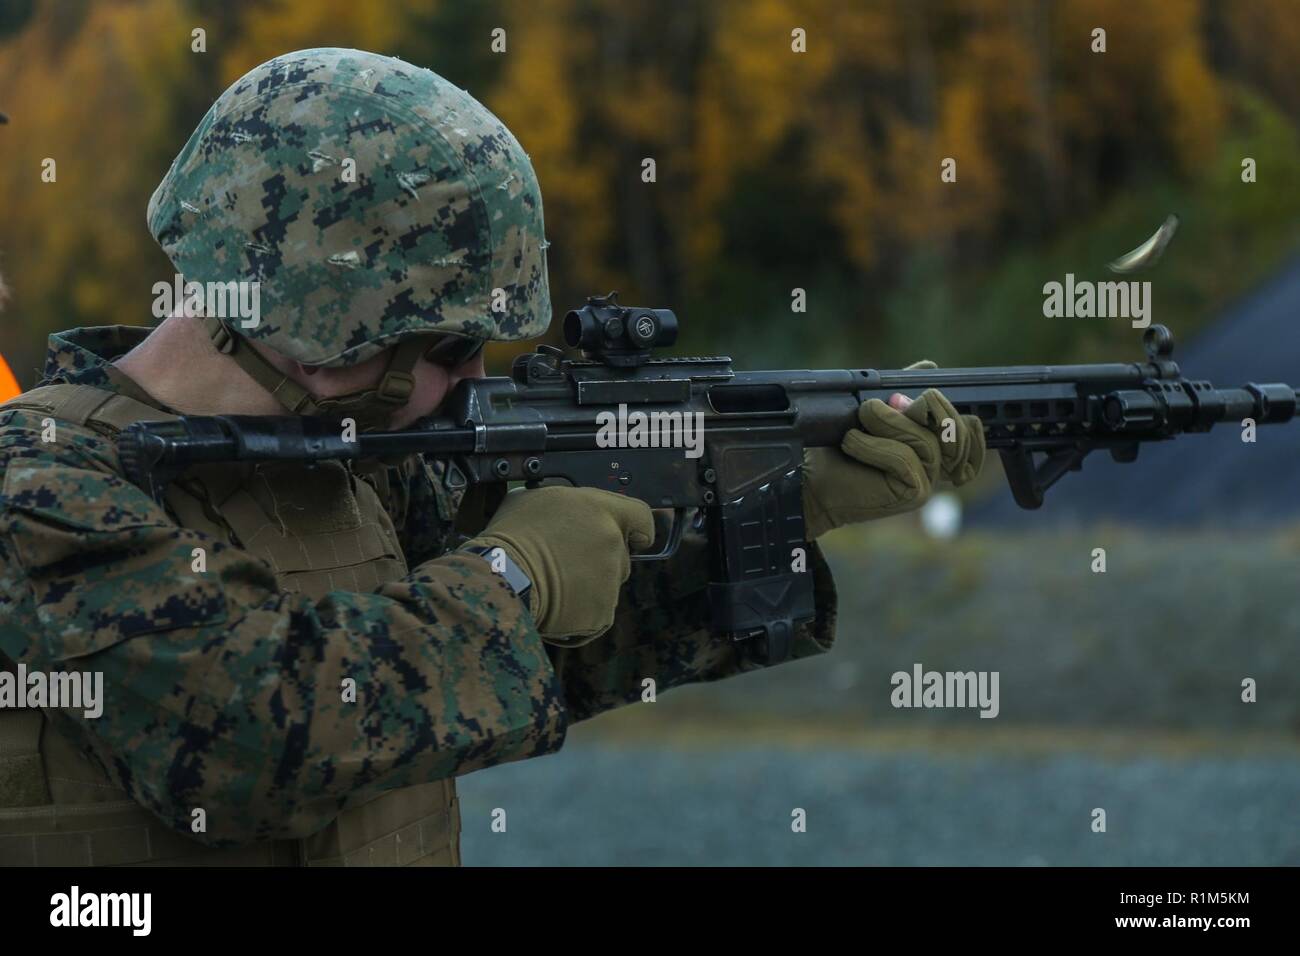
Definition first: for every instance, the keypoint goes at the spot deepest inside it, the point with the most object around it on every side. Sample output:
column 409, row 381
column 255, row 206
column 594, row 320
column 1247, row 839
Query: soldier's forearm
column 266, row 709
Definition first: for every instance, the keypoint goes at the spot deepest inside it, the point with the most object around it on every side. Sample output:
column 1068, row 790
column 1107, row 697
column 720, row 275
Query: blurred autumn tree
column 775, row 169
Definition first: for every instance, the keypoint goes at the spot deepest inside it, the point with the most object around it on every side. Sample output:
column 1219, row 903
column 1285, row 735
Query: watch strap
column 498, row 558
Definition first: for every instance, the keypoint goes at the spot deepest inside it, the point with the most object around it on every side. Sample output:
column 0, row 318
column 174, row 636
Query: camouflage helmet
column 372, row 200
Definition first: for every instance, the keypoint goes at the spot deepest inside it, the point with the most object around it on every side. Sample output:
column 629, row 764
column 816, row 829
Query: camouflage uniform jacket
column 230, row 694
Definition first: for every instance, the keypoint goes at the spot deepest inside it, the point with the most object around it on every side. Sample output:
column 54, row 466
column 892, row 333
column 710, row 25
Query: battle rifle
column 544, row 422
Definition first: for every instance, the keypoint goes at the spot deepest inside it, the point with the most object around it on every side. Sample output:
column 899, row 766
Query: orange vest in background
column 8, row 384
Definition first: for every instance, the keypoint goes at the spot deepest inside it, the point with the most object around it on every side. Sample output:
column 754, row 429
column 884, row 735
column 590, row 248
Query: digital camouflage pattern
column 223, row 692
column 444, row 209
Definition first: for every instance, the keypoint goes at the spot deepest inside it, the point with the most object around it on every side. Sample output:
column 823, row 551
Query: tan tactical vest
column 330, row 532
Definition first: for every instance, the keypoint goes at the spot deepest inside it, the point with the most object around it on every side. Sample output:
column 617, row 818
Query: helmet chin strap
column 372, row 409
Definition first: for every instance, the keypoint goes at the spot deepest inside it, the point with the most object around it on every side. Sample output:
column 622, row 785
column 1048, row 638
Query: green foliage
column 1231, row 235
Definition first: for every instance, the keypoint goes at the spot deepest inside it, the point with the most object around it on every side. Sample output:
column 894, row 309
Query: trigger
column 674, row 539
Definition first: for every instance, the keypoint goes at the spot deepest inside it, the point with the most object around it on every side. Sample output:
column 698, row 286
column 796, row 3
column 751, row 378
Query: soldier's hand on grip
column 574, row 544
column 892, row 463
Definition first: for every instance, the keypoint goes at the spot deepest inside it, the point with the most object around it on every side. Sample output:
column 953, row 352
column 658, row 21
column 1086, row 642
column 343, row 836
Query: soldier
column 299, row 660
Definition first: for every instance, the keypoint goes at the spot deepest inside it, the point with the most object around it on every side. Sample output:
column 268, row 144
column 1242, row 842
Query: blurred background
column 819, row 170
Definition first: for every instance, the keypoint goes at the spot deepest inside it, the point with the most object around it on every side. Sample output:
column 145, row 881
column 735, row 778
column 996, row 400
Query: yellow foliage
column 534, row 97
column 842, row 158
column 712, row 92
column 1153, row 80
column 291, row 25
column 90, row 102
column 1195, row 106
column 1265, row 35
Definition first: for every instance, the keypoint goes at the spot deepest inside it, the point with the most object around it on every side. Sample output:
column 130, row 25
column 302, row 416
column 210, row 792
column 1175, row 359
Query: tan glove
column 892, row 464
column 574, row 544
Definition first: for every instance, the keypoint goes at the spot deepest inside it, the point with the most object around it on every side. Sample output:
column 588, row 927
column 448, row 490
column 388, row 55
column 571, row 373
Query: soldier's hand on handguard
column 892, row 463
column 574, row 545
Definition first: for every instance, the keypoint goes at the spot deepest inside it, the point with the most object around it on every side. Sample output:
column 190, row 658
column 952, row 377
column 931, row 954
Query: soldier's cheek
column 431, row 387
